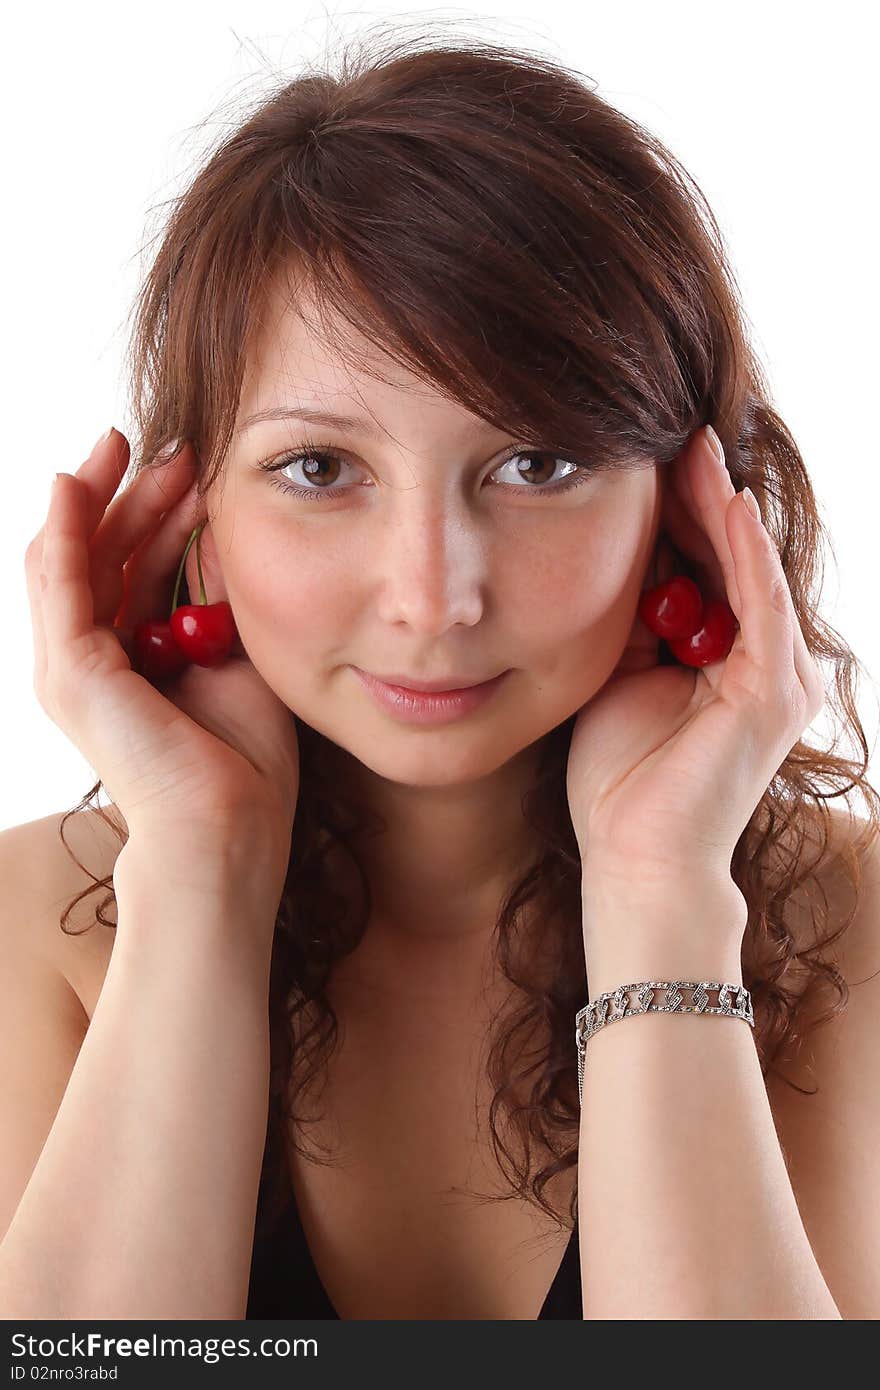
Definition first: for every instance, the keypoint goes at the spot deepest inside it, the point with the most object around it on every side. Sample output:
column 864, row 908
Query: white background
column 107, row 113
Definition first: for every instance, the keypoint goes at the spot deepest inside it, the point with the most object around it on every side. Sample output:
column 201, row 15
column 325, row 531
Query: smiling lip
column 444, row 686
column 413, row 706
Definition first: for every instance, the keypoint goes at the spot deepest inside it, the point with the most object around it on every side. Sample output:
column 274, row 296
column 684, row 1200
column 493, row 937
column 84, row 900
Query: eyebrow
column 315, row 417
column 351, row 423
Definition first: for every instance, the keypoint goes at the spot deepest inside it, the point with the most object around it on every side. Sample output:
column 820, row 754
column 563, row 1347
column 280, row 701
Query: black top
column 284, row 1282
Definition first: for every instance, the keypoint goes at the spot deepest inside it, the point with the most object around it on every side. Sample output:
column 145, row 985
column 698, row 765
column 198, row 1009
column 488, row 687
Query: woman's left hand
column 668, row 763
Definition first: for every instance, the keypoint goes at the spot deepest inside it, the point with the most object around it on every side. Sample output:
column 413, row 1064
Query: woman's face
column 433, row 557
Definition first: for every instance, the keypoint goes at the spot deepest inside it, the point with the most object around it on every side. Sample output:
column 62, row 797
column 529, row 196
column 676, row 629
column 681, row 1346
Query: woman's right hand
column 212, row 755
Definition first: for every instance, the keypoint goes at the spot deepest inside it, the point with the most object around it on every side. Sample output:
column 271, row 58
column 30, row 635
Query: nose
column 432, row 564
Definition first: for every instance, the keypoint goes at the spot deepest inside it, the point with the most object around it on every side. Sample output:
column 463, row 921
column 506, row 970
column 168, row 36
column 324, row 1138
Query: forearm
column 686, row 1210
column 142, row 1202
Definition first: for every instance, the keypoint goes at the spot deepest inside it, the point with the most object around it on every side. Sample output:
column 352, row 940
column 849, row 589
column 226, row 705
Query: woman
column 460, row 374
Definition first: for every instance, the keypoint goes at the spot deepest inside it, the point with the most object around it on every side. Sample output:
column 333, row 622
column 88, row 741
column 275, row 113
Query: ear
column 215, row 588
column 683, row 532
column 665, row 563
column 664, row 560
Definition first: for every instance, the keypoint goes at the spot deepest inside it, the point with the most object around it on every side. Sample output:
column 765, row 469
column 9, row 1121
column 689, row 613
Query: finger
column 150, row 574
column 100, row 476
column 768, row 620
column 713, row 491
column 773, row 629
column 32, row 562
column 67, row 611
column 129, row 520
column 105, row 459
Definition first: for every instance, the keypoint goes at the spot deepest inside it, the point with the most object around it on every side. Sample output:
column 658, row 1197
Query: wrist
column 689, row 931
column 172, row 908
column 209, row 868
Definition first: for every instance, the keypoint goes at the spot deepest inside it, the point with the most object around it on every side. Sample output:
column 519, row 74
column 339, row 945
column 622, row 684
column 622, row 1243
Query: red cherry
column 155, row 651
column 714, row 639
column 672, row 610
column 204, row 632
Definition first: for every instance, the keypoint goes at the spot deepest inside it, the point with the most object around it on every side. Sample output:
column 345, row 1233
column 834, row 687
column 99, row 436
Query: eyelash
column 327, row 451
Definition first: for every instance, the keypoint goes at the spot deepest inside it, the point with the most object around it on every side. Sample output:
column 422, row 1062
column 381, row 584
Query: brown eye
column 579, row 472
column 320, row 466
column 544, row 472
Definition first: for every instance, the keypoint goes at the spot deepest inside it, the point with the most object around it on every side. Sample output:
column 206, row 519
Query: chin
column 450, row 756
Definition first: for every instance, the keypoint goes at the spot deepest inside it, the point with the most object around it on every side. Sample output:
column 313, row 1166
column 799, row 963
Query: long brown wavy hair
column 483, row 216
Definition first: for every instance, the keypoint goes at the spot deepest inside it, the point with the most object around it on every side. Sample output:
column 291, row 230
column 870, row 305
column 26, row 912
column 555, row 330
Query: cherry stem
column 194, row 537
column 203, row 599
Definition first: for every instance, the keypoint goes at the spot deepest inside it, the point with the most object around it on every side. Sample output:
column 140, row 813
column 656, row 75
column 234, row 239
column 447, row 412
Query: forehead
column 303, row 357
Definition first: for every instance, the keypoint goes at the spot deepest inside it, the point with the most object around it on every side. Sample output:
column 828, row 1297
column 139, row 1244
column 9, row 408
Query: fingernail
column 104, row 437
column 751, row 502
column 717, row 446
column 168, row 451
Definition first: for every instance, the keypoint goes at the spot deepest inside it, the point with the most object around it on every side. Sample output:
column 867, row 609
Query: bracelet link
column 734, row 1001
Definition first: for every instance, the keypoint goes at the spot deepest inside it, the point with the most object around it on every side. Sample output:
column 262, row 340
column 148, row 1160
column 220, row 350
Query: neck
column 444, row 857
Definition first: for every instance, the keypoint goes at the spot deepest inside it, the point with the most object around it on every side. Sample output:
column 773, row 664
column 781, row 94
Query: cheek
column 289, row 595
column 564, row 601
column 582, row 603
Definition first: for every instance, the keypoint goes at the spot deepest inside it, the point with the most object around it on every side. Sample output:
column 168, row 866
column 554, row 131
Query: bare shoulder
column 41, row 877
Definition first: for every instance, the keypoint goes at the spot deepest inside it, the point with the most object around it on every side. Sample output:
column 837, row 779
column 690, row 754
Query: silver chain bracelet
column 734, row 1001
